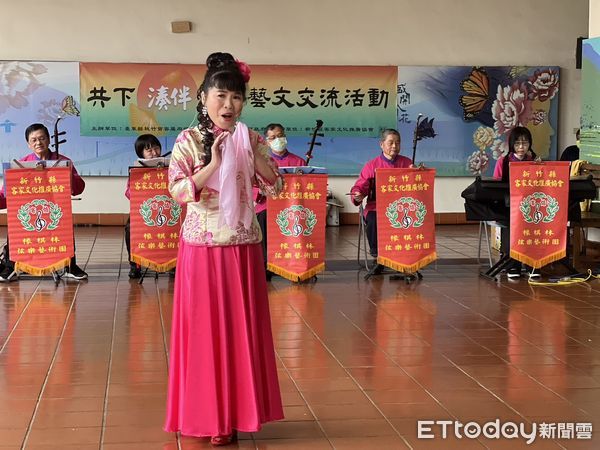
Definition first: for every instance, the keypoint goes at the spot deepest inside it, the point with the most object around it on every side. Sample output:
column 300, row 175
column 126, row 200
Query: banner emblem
column 39, row 208
column 532, row 206
column 296, row 220
column 160, row 210
column 413, row 213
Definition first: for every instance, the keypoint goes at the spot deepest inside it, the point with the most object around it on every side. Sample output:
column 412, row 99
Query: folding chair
column 483, row 230
column 363, row 261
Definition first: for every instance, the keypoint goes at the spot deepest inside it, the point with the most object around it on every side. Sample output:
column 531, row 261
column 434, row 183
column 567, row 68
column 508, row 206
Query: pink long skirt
column 222, row 372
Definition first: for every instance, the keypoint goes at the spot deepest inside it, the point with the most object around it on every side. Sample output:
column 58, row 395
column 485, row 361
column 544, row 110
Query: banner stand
column 405, row 221
column 56, row 269
column 296, row 225
column 159, row 164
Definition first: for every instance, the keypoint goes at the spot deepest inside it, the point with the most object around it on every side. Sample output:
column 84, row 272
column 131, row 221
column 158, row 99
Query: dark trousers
column 371, row 228
column 262, row 222
column 8, row 263
column 128, row 239
column 505, row 245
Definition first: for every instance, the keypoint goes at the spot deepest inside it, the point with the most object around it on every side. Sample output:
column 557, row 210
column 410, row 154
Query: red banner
column 405, row 218
column 296, row 227
column 539, row 204
column 40, row 220
column 155, row 219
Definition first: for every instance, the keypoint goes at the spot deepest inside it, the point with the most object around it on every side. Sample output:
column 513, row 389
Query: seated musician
column 147, row 146
column 275, row 137
column 38, row 140
column 520, row 145
column 365, row 185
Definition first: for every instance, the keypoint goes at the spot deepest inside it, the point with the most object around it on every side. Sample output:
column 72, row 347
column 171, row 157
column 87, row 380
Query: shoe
column 8, row 274
column 134, row 271
column 227, row 439
column 513, row 272
column 75, row 272
column 532, row 273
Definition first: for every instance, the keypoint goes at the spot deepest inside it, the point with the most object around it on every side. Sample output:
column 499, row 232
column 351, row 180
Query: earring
column 204, row 111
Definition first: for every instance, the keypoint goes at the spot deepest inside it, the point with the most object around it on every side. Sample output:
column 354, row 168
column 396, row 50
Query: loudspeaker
column 578, row 52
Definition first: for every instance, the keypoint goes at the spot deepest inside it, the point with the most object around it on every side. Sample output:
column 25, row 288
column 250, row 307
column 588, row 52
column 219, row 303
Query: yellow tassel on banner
column 40, row 271
column 144, row 262
column 293, row 276
column 399, row 267
column 537, row 263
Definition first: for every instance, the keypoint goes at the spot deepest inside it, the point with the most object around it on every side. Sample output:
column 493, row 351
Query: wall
column 594, row 18
column 328, row 32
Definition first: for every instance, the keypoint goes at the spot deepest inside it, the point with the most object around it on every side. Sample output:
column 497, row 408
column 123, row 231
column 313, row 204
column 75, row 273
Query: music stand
column 303, row 170
column 161, row 161
column 41, row 164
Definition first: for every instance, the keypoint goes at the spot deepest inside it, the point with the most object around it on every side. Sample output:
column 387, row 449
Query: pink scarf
column 233, row 179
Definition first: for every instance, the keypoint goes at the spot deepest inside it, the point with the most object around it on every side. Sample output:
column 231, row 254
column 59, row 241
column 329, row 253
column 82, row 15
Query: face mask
column 278, row 144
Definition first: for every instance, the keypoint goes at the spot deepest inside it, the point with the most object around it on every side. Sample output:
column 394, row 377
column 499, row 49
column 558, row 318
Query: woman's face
column 390, row 146
column 151, row 152
column 522, row 145
column 223, row 106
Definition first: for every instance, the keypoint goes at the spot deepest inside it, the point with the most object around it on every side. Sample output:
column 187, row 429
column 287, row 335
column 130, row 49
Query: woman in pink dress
column 222, row 371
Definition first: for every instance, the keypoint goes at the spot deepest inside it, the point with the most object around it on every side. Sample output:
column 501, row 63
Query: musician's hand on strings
column 357, row 197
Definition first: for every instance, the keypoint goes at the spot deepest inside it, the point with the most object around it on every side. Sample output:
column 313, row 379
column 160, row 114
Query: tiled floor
column 83, row 365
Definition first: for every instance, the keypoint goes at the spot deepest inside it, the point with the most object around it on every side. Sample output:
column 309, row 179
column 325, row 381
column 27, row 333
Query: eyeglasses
column 521, row 143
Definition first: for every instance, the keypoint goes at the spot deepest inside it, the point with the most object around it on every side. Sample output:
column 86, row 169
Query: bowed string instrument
column 313, row 141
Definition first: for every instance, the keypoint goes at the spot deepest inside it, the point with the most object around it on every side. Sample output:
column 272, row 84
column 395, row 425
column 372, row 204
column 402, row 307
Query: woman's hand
column 216, row 150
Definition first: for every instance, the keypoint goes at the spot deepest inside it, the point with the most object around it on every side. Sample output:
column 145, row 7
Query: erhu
column 313, row 141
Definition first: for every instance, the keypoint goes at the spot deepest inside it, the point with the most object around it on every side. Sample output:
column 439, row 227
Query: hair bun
column 216, row 61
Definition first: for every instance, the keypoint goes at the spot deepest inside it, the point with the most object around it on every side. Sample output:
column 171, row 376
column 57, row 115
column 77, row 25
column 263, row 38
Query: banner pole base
column 377, row 269
column 493, row 273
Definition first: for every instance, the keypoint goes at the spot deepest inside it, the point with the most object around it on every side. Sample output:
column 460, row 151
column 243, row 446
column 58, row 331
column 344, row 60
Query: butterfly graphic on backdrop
column 68, row 106
column 476, row 87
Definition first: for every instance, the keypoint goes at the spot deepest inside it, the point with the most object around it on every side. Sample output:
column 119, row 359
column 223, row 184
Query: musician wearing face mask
column 275, row 137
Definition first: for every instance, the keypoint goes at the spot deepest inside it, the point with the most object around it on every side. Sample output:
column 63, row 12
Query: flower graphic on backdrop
column 483, row 137
column 511, row 108
column 17, row 81
column 478, row 162
column 543, row 85
column 539, row 117
column 49, row 111
column 499, row 148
